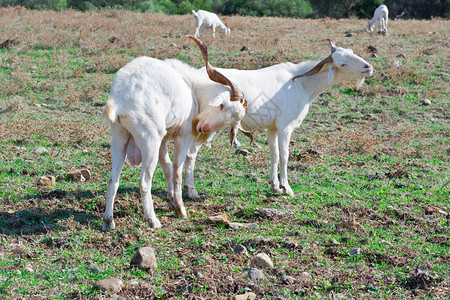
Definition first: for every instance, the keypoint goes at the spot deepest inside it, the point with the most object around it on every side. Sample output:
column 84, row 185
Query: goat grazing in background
column 279, row 100
column 380, row 19
column 150, row 103
column 208, row 19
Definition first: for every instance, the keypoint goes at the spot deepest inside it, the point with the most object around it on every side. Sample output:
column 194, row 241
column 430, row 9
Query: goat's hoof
column 108, row 224
column 154, row 223
column 287, row 190
column 192, row 193
column 181, row 211
column 170, row 204
column 276, row 190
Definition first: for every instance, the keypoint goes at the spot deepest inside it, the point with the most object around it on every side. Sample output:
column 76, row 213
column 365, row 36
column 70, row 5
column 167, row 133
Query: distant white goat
column 279, row 100
column 208, row 19
column 153, row 101
column 380, row 19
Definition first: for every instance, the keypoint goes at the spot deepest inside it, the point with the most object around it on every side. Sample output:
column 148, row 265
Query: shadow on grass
column 42, row 213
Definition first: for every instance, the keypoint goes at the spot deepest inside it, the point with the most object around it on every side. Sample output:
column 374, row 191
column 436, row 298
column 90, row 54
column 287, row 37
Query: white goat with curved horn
column 279, row 100
column 151, row 103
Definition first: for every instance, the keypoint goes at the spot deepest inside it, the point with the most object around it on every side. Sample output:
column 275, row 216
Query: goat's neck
column 316, row 84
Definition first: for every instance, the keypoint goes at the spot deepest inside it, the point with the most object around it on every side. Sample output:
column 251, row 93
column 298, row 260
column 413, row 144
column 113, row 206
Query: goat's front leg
column 167, row 167
column 274, row 156
column 283, row 142
column 214, row 31
column 189, row 170
column 208, row 142
column 118, row 153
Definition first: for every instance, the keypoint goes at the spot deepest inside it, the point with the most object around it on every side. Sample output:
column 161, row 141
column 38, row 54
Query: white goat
column 153, row 101
column 208, row 19
column 380, row 19
column 279, row 103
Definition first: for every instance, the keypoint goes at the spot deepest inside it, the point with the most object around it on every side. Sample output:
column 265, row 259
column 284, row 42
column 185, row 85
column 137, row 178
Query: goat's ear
column 219, row 99
column 331, row 74
column 360, row 83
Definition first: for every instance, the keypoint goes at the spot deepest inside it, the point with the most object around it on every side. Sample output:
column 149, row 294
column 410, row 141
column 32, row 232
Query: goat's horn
column 332, row 45
column 249, row 134
column 317, row 68
column 214, row 75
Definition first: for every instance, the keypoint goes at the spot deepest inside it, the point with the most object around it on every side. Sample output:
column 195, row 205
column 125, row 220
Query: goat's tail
column 194, row 13
column 109, row 113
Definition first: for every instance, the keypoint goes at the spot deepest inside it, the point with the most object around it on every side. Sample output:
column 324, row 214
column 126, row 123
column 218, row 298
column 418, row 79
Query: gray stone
column 240, row 249
column 288, row 279
column 243, row 152
column 144, row 258
column 426, row 102
column 261, row 260
column 255, row 274
column 245, row 296
column 236, row 225
column 355, row 251
column 40, row 151
column 305, row 277
column 273, row 213
column 110, row 286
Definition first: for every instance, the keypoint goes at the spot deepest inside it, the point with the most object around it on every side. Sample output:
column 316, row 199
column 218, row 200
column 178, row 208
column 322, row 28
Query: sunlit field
column 369, row 168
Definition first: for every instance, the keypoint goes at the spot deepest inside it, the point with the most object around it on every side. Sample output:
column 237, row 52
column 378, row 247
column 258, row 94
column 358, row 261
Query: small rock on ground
column 219, row 219
column 245, row 296
column 426, row 102
column 288, row 279
column 235, row 225
column 110, row 286
column 79, row 175
column 243, row 152
column 261, row 260
column 305, row 277
column 255, row 274
column 240, row 249
column 144, row 258
column 40, row 151
column 47, row 180
column 355, row 251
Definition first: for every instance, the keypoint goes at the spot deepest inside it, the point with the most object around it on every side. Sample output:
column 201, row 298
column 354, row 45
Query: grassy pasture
column 377, row 158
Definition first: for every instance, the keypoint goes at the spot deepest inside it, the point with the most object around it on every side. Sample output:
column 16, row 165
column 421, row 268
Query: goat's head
column 370, row 26
column 343, row 65
column 226, row 30
column 232, row 105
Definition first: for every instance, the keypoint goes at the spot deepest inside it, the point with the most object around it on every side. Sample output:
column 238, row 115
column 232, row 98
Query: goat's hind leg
column 119, row 142
column 150, row 145
column 167, row 167
column 182, row 145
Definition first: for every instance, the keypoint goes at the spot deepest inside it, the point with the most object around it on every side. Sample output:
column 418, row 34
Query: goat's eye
column 221, row 106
